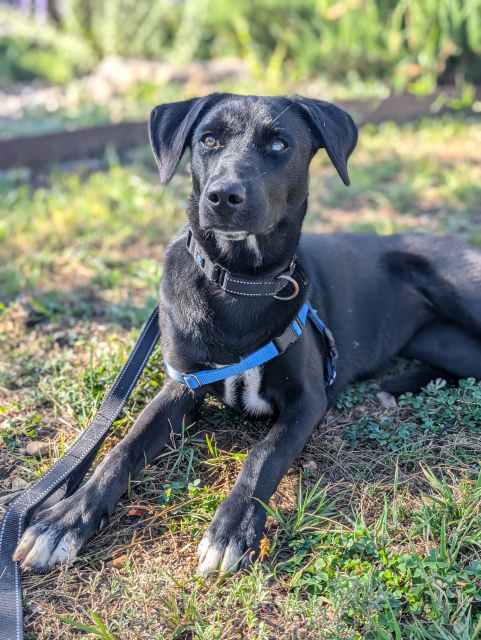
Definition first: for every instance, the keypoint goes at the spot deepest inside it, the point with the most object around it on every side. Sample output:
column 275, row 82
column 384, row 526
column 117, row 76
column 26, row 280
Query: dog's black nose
column 229, row 195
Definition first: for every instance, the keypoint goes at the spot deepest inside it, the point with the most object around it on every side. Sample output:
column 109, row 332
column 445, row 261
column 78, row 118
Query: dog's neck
column 258, row 254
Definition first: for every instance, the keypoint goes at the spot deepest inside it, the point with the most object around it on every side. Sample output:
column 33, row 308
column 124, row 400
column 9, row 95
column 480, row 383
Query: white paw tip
column 40, row 550
column 203, row 547
column 232, row 556
column 214, row 557
column 66, row 550
column 210, row 561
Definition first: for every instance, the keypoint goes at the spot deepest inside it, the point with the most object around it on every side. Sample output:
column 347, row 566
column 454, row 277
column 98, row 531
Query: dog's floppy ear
column 170, row 128
column 333, row 129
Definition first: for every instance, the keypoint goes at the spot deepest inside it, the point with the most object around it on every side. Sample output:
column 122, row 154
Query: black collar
column 291, row 279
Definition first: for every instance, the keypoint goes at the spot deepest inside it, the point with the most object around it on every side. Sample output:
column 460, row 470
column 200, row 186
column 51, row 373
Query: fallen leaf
column 136, row 512
column 264, row 548
column 35, row 448
column 119, row 561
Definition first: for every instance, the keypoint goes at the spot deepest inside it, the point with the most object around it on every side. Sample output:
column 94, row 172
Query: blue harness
column 276, row 347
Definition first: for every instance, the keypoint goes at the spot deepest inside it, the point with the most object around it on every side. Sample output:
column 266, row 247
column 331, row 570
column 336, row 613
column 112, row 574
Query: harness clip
column 290, row 335
column 191, row 381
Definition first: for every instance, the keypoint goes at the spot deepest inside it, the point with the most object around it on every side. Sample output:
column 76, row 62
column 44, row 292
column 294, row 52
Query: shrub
column 413, row 43
column 28, row 52
column 410, row 42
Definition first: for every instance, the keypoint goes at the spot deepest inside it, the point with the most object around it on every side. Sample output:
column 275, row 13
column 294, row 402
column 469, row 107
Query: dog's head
column 250, row 156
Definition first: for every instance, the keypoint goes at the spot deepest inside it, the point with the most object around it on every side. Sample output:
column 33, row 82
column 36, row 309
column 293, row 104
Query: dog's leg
column 448, row 347
column 234, row 534
column 414, row 381
column 447, row 351
column 57, row 533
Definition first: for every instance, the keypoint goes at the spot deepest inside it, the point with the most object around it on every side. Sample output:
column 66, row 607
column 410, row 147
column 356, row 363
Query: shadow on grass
column 53, row 307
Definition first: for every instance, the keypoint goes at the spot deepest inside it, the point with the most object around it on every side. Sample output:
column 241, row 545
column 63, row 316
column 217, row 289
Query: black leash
column 78, row 459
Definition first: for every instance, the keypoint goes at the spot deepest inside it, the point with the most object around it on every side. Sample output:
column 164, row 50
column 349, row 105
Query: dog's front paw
column 57, row 534
column 232, row 539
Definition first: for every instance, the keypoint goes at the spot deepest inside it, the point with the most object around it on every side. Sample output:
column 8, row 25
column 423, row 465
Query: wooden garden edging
column 37, row 152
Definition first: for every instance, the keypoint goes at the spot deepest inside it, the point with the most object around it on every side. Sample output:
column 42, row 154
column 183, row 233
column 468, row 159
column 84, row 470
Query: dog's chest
column 243, row 392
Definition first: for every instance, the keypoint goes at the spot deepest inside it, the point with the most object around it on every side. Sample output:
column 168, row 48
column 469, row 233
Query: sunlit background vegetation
column 376, row 531
column 404, row 43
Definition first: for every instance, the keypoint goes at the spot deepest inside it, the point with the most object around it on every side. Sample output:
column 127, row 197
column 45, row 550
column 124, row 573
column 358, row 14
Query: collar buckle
column 219, row 275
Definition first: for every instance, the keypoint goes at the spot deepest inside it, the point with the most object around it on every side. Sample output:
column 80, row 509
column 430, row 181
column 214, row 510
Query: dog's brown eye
column 278, row 144
column 210, row 141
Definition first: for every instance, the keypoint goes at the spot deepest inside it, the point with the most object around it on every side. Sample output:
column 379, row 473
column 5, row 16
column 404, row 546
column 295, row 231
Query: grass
column 374, row 533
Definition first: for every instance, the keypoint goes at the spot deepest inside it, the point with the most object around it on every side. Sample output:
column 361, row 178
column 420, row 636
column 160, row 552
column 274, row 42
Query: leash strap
column 243, row 285
column 76, row 459
column 267, row 352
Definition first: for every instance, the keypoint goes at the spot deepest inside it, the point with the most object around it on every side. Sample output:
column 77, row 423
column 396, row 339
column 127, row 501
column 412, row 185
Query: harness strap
column 267, row 352
column 75, row 460
column 245, row 285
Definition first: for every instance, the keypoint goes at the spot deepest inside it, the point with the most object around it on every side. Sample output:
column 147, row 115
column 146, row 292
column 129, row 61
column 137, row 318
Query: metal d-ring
column 294, row 283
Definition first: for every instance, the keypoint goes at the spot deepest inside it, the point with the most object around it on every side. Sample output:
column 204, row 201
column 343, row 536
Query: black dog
column 232, row 285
